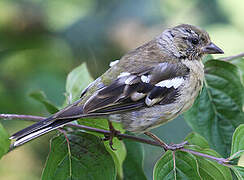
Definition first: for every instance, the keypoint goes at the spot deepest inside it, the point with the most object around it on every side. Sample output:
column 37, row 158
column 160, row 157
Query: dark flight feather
column 118, row 92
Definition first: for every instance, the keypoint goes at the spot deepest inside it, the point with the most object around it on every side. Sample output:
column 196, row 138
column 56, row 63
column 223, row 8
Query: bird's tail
column 49, row 124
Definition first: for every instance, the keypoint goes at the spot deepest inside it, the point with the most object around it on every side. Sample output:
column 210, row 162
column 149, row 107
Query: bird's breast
column 193, row 84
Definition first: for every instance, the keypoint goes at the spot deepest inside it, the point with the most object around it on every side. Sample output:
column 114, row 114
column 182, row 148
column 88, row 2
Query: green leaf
column 206, row 166
column 95, row 123
column 239, row 62
column 196, row 139
column 210, row 169
column 4, row 141
column 218, row 110
column 120, row 153
column 85, row 157
column 238, row 140
column 186, row 167
column 42, row 98
column 77, row 80
column 207, row 58
column 100, row 124
column 239, row 172
column 133, row 163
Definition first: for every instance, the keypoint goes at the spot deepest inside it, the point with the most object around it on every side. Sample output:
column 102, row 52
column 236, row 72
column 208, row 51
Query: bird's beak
column 212, row 49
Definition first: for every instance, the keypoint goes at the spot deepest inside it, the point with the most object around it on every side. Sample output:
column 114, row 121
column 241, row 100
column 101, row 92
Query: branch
column 21, row 117
column 222, row 161
column 78, row 126
column 232, row 57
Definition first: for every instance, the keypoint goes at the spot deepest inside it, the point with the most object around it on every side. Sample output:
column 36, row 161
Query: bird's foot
column 172, row 147
column 109, row 137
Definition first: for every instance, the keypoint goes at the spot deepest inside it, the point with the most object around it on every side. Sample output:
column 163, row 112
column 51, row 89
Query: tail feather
column 31, row 136
column 32, row 128
column 41, row 131
column 51, row 123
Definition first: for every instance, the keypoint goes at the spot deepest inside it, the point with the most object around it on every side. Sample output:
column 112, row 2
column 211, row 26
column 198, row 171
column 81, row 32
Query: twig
column 119, row 135
column 232, row 57
column 102, row 131
column 222, row 161
column 24, row 117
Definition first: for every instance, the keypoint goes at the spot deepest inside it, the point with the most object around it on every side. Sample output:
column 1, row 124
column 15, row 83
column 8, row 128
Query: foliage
column 42, row 40
column 189, row 166
column 80, row 156
column 41, row 97
column 216, row 116
column 133, row 163
column 4, row 141
column 218, row 110
column 77, row 81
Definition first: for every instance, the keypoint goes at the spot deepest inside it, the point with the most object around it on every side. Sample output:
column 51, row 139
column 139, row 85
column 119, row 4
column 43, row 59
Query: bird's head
column 188, row 41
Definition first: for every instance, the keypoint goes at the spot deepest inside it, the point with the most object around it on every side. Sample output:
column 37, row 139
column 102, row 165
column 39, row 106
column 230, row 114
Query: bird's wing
column 156, row 85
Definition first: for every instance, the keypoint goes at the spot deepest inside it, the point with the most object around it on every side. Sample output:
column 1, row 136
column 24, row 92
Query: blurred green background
column 41, row 41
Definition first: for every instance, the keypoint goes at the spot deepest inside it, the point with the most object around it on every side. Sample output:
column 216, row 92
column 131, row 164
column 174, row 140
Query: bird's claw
column 109, row 137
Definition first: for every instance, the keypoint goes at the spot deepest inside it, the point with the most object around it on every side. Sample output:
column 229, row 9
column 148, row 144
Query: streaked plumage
column 145, row 88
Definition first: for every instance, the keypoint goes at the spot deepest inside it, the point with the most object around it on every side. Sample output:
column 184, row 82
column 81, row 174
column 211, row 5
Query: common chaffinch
column 147, row 87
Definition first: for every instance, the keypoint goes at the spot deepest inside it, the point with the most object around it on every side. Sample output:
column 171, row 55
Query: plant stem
column 233, row 57
column 24, row 117
column 102, row 131
column 119, row 135
column 222, row 161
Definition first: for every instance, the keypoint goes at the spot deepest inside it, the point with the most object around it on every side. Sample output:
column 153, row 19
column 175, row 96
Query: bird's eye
column 203, row 39
column 194, row 41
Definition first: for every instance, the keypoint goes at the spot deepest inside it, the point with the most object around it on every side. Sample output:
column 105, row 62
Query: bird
column 146, row 88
